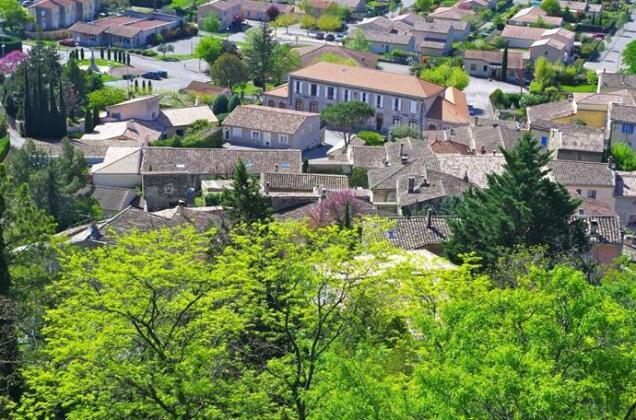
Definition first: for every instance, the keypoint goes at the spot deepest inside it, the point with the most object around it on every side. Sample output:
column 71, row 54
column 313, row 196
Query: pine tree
column 257, row 53
column 521, row 206
column 504, row 64
column 245, row 201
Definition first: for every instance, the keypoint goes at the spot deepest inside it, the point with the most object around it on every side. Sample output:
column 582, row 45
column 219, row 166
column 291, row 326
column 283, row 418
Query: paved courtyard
column 478, row 94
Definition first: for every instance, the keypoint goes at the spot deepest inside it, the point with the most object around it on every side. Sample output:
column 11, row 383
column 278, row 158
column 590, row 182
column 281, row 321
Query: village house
column 606, row 238
column 120, row 168
column 142, row 120
column 170, row 175
column 229, row 11
column 128, row 30
column 113, row 200
column 488, row 64
column 625, row 198
column 621, row 120
column 556, row 45
column 611, row 82
column 397, row 98
column 385, row 42
column 571, row 142
column 580, row 8
column 590, row 109
column 585, row 179
column 452, row 13
column 269, row 127
column 533, row 15
column 420, row 232
column 482, row 137
column 57, row 14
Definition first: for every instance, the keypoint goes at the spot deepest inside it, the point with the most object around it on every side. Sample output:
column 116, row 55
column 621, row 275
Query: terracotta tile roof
column 444, row 147
column 624, row 97
column 591, row 207
column 515, row 59
column 303, row 182
column 114, row 199
column 476, row 167
column 123, row 31
column 571, row 137
column 280, row 91
column 368, row 156
column 450, row 13
column 119, row 160
column 430, row 186
column 622, row 113
column 550, row 42
column 551, row 110
column 388, row 37
column 221, row 162
column 522, row 32
column 572, row 172
column 452, row 108
column 603, row 229
column 179, row 117
column 265, row 118
column 418, row 232
column 559, row 32
column 613, row 81
column 87, row 28
column 223, row 4
column 205, row 88
column 375, row 80
column 411, row 19
column 433, row 45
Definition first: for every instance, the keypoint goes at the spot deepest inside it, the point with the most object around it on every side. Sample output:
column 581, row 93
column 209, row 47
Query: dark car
column 330, row 37
column 320, row 35
column 162, row 73
column 151, row 75
column 69, row 42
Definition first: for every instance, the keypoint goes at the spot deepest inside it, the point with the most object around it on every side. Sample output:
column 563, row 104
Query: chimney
column 266, row 187
column 276, row 168
column 411, row 185
column 404, row 159
column 477, row 120
column 483, row 150
column 494, row 152
column 594, row 227
column 181, row 203
column 425, row 182
column 610, row 162
column 466, row 176
column 428, row 218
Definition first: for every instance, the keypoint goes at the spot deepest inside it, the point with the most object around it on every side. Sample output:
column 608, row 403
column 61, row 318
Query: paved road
column 478, row 94
column 611, row 58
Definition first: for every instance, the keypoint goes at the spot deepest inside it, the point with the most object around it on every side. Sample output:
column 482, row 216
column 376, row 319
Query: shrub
column 213, row 199
column 401, row 131
column 371, row 138
column 220, row 104
column 149, row 53
column 233, row 102
column 358, row 178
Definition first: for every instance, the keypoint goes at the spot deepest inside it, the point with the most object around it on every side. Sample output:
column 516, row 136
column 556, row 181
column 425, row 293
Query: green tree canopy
column 244, row 199
column 447, row 76
column 623, row 156
column 258, row 50
column 346, row 117
column 520, row 206
column 551, row 7
column 629, row 56
column 208, row 49
column 284, row 60
column 229, row 71
column 358, row 41
column 211, row 23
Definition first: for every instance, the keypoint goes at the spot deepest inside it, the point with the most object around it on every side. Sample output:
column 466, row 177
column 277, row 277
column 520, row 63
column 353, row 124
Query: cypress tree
column 150, row 86
column 95, row 117
column 82, row 53
column 101, row 53
column 143, row 85
column 27, row 111
column 504, row 64
column 63, row 115
column 128, row 59
column 53, row 117
column 108, row 53
column 88, row 121
column 136, row 84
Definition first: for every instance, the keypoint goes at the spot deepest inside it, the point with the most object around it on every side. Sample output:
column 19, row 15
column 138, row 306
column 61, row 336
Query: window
column 412, row 123
column 544, row 141
column 591, row 194
column 485, row 68
column 330, row 92
column 256, row 135
column 284, row 165
column 578, row 192
column 364, row 97
column 473, row 67
column 413, row 108
column 379, row 101
column 297, row 86
column 226, row 134
column 313, row 107
column 346, row 95
column 248, row 163
column 397, row 104
column 298, row 105
column 397, row 121
column 271, row 103
column 313, row 90
column 282, row 139
column 117, row 116
column 627, row 128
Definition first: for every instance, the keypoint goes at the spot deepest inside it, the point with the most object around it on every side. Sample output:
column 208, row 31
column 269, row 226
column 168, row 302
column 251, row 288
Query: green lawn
column 101, row 62
column 175, row 57
column 109, row 78
column 579, row 88
column 251, row 90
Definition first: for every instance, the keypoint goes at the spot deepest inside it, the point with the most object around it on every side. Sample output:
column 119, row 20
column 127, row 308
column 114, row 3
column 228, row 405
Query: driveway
column 394, row 67
column 478, row 94
column 182, row 46
column 611, row 58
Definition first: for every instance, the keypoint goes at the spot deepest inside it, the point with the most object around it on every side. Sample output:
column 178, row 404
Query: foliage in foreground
column 290, row 321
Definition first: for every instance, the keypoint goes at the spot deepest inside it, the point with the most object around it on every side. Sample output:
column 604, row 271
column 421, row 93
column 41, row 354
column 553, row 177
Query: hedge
column 4, row 147
column 11, row 43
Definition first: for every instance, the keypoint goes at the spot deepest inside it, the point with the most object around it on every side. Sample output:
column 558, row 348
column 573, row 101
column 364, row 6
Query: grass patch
column 109, row 78
column 4, row 147
column 250, row 90
column 100, row 62
column 176, row 57
column 579, row 88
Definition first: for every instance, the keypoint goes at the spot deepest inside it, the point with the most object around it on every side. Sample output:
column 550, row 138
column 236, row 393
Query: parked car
column 320, row 35
column 68, row 42
column 330, row 37
column 151, row 75
column 162, row 73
